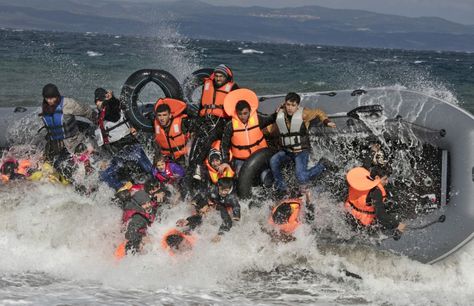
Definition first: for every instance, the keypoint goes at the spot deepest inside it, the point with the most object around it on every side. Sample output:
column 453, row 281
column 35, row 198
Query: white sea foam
column 251, row 51
column 94, row 53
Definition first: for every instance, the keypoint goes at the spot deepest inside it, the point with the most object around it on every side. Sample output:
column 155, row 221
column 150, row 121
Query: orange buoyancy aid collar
column 212, row 100
column 293, row 219
column 177, row 107
column 360, row 185
column 190, row 239
column 247, row 138
column 215, row 175
column 173, row 141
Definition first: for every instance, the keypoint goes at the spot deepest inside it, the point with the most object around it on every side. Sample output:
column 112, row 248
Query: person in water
column 375, row 155
column 223, row 199
column 172, row 129
column 59, row 118
column 139, row 213
column 12, row 169
column 243, row 135
column 286, row 216
column 117, row 138
column 212, row 117
column 292, row 124
column 365, row 204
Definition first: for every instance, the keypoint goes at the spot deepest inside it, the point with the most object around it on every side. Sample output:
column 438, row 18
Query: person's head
column 51, row 94
column 9, row 167
column 225, row 186
column 242, row 108
column 163, row 114
column 81, row 148
column 178, row 243
column 381, row 173
column 292, row 102
column 143, row 199
column 153, row 186
column 222, row 75
column 100, row 95
column 215, row 158
column 160, row 162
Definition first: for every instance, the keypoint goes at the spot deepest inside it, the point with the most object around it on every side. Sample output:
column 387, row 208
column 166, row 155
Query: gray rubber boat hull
column 426, row 245
column 441, row 239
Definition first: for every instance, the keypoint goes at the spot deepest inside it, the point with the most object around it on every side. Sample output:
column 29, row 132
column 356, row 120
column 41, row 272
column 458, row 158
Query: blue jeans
column 129, row 153
column 303, row 174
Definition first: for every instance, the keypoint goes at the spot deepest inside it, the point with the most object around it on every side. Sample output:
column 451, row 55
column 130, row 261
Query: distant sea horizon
column 80, row 62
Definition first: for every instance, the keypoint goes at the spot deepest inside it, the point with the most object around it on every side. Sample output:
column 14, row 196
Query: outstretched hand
column 331, row 124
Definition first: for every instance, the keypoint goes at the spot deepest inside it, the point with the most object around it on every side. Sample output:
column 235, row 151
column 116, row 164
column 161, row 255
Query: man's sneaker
column 197, row 173
column 329, row 165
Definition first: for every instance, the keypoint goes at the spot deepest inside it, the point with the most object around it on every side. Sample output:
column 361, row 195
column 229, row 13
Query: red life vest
column 293, row 219
column 212, row 100
column 360, row 185
column 246, row 138
column 173, row 141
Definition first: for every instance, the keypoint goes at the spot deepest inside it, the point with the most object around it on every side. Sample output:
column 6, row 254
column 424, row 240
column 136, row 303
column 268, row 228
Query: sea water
column 56, row 246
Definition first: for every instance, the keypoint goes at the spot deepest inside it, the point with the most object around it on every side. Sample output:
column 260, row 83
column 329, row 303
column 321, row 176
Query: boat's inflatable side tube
column 250, row 172
column 138, row 115
column 190, row 84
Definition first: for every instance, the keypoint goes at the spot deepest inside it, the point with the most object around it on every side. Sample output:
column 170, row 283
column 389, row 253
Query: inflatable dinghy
column 442, row 159
column 430, row 141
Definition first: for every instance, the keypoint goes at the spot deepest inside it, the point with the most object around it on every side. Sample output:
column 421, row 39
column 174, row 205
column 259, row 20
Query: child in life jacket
column 167, row 171
column 216, row 168
column 223, row 199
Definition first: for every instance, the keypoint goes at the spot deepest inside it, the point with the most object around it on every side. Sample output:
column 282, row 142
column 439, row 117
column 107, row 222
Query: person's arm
column 72, row 107
column 226, row 220
column 266, row 120
column 234, row 202
column 225, row 144
column 386, row 220
column 194, row 221
column 310, row 114
column 178, row 171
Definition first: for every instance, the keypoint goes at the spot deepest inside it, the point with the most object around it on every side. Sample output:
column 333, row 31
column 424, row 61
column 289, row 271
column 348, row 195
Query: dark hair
column 225, row 182
column 80, row 148
column 163, row 108
column 241, row 105
column 9, row 167
column 151, row 184
column 379, row 171
column 159, row 157
column 50, row 91
column 293, row 96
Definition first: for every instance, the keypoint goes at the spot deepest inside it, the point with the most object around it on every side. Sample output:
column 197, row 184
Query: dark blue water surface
column 80, row 62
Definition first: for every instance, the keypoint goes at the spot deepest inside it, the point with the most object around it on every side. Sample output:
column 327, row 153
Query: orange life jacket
column 213, row 173
column 120, row 251
column 212, row 100
column 246, row 138
column 173, row 142
column 190, row 239
column 293, row 220
column 360, row 185
column 21, row 167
